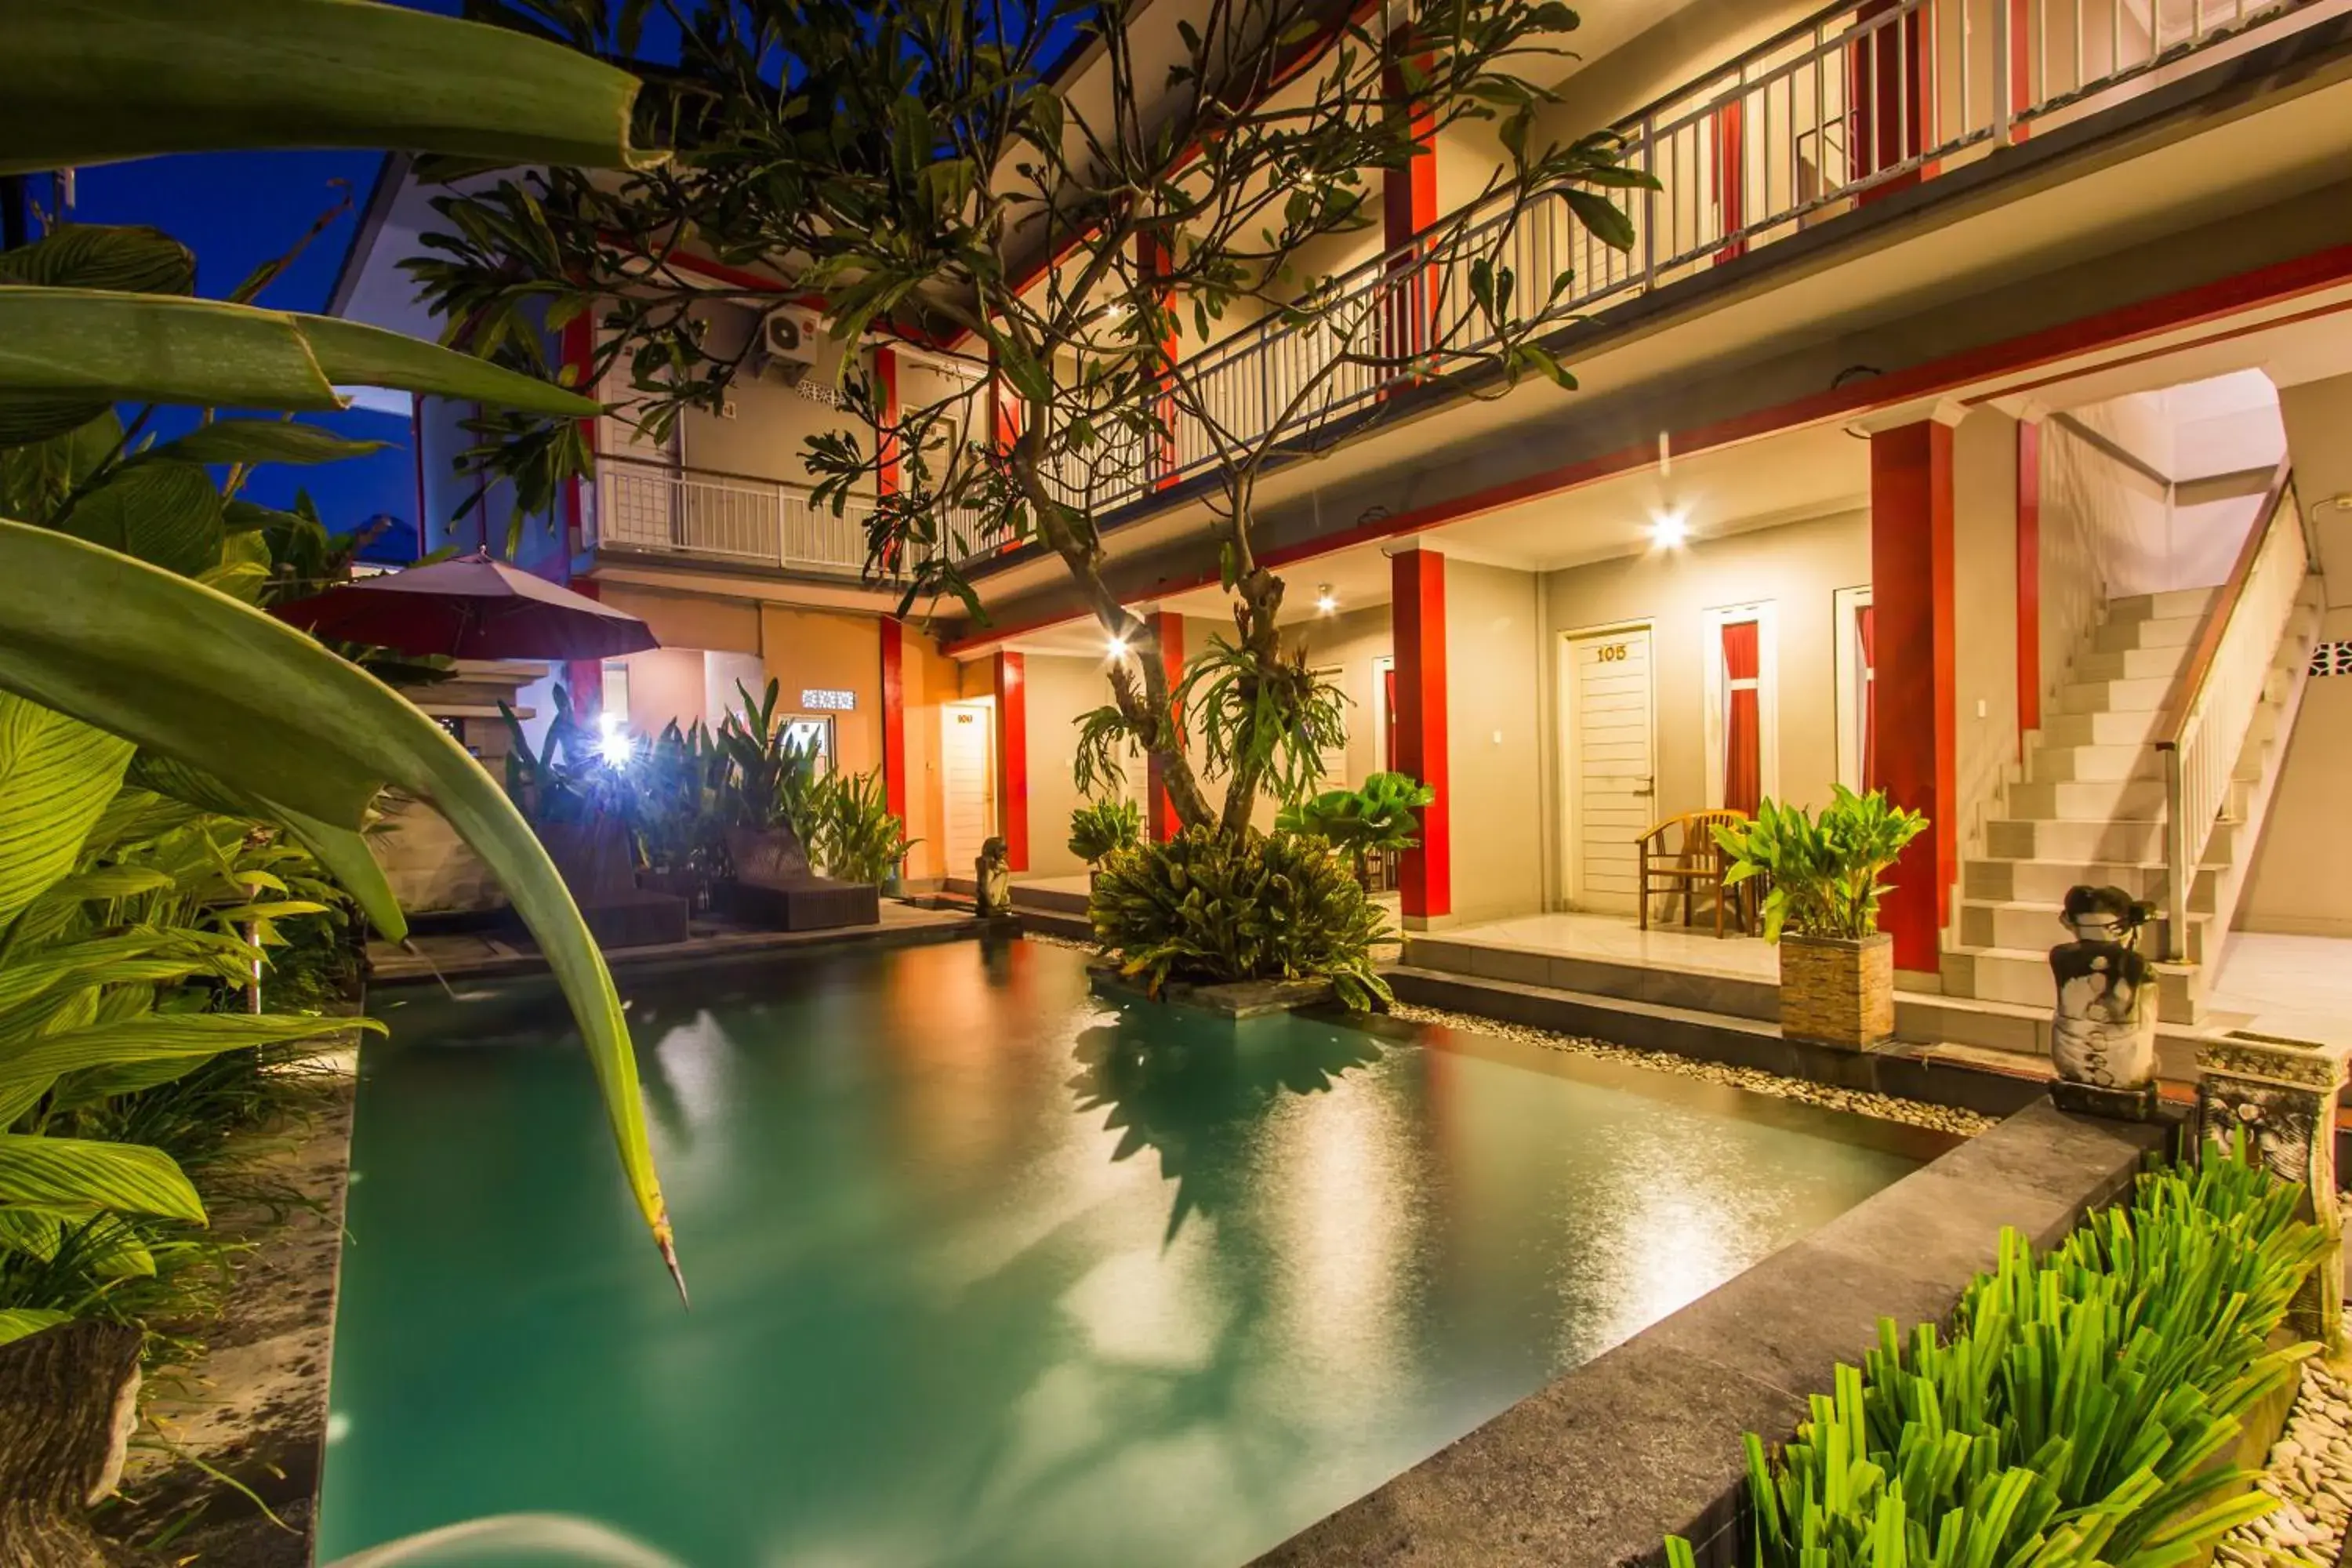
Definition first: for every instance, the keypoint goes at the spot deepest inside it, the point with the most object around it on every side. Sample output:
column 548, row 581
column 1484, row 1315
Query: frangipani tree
column 120, row 563
column 919, row 167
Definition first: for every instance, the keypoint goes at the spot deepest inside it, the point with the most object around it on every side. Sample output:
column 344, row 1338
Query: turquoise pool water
column 988, row 1271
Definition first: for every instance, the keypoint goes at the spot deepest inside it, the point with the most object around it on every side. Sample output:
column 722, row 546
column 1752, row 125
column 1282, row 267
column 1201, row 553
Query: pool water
column 987, row 1271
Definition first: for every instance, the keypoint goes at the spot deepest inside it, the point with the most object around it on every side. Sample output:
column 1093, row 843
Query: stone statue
column 2103, row 1037
column 993, row 876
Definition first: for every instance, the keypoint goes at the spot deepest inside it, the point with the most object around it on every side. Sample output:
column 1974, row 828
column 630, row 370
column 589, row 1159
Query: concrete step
column 2032, row 926
column 2020, row 1034
column 2124, row 842
column 1061, row 900
column 2089, row 800
column 2125, row 729
column 1732, row 996
column 2132, row 664
column 1053, row 923
column 2047, row 881
column 2144, row 631
column 2060, row 763
column 2020, row 977
column 2114, row 696
column 2178, row 603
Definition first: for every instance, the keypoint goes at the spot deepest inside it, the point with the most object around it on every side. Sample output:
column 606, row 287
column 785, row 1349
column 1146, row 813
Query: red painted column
column 1154, row 262
column 1425, row 875
column 2029, row 580
column 1887, row 82
column 2021, row 65
column 894, row 716
column 1168, row 630
column 1731, row 177
column 1916, row 718
column 1013, row 759
column 1408, row 206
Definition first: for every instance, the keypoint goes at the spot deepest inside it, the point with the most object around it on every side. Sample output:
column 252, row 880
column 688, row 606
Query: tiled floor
column 2299, row 986
column 1695, row 949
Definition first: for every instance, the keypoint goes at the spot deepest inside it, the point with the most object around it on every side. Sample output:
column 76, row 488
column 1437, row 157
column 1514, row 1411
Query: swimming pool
column 989, row 1271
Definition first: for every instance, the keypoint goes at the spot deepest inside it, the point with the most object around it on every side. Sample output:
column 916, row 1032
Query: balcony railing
column 1859, row 100
column 658, row 509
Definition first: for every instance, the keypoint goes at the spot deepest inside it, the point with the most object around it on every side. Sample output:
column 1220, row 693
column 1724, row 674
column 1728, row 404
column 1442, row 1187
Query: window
column 1742, row 712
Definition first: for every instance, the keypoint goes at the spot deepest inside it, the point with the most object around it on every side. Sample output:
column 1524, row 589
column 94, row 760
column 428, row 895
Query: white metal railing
column 659, row 508
column 1858, row 100
column 2213, row 704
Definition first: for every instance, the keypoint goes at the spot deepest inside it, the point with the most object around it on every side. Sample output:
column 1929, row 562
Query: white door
column 965, row 756
column 1610, row 799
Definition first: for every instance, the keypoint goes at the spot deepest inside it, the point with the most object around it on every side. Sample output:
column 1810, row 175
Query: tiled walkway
column 1616, row 938
column 2299, row 986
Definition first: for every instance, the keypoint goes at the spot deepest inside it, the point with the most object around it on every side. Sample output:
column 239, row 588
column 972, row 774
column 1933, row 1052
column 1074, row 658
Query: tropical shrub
column 1375, row 819
column 771, row 774
column 852, row 831
column 1101, row 826
column 2077, row 1411
column 1211, row 908
column 123, row 915
column 1824, row 871
column 127, row 574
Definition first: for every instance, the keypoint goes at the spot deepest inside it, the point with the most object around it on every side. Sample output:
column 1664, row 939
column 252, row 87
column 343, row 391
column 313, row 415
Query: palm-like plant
column 122, row 566
column 855, row 835
column 773, row 775
column 1824, row 870
column 1101, row 827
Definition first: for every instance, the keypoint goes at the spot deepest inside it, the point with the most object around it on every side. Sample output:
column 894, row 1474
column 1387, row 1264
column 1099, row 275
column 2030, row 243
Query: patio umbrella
column 471, row 607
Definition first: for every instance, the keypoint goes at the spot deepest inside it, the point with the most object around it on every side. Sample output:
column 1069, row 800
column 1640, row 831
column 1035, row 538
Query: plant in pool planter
column 1820, row 904
column 1101, row 827
column 1216, row 908
column 2078, row 1412
column 770, row 775
column 1375, row 819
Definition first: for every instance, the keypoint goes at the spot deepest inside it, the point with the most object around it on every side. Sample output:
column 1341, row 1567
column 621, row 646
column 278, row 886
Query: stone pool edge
column 1645, row 1440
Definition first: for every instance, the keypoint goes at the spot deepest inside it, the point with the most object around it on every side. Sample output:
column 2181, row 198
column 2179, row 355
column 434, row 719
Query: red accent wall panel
column 1408, row 205
column 894, row 717
column 2029, row 580
column 1170, row 631
column 1425, row 876
column 885, row 398
column 1916, row 720
column 1013, row 758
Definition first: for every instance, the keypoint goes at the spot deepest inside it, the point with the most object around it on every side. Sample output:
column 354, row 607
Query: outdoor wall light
column 612, row 743
column 1118, row 647
column 1669, row 530
column 1323, row 602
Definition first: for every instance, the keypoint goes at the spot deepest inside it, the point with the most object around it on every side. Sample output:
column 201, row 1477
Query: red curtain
column 1743, row 764
column 1866, row 644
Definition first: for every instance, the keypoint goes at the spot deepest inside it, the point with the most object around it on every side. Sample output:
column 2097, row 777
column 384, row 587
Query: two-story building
column 1933, row 435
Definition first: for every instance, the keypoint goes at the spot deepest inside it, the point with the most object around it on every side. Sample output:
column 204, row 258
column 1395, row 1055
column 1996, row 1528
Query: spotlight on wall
column 613, row 743
column 1324, row 601
column 1669, row 530
column 1118, row 647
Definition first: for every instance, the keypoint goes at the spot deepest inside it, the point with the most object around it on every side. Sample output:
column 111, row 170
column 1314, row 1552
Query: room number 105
column 1612, row 653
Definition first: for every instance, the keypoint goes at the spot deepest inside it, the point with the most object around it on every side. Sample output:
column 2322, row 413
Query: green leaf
column 134, row 260
column 57, row 776
column 97, row 81
column 263, row 441
column 1608, row 223
column 18, row 1322
column 59, row 1172
column 167, row 514
column 82, row 342
column 198, row 676
column 156, row 1036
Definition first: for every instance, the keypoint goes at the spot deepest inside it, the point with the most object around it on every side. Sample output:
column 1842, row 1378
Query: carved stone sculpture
column 2103, row 1035
column 2280, row 1094
column 992, row 875
column 69, row 1401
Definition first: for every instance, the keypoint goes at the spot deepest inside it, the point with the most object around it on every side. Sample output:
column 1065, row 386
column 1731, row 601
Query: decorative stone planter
column 1236, row 999
column 1838, row 991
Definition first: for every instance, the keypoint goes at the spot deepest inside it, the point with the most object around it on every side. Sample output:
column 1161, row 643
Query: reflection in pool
column 987, row 1271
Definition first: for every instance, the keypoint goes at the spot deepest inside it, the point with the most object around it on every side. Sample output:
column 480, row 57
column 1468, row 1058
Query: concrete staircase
column 2090, row 807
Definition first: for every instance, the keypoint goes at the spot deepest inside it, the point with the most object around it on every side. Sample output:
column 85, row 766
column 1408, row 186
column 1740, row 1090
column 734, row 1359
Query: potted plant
column 1837, row 968
column 1375, row 820
column 1101, row 827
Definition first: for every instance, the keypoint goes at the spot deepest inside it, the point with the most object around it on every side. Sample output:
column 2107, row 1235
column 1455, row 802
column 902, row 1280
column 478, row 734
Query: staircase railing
column 2219, row 688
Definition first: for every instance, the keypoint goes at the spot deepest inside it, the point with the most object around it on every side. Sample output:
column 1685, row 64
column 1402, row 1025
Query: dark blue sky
column 236, row 211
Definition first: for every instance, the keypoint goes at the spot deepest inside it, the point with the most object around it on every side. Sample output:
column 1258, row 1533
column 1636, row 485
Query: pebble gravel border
column 2310, row 1472
column 1863, row 1102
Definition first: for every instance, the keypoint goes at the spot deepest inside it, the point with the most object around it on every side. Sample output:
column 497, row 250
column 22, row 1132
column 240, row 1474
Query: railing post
column 2004, row 90
column 1650, row 195
column 2178, row 873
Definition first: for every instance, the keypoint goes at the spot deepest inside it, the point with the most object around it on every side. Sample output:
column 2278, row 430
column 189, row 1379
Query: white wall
column 1495, row 738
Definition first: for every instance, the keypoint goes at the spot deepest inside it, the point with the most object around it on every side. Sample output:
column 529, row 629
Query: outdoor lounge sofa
column 773, row 886
column 595, row 860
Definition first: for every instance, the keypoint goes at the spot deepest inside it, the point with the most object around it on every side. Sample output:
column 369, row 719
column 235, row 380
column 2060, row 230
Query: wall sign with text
column 819, row 699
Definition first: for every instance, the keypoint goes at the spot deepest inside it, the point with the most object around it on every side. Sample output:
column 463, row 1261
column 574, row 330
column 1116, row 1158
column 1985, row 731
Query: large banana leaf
column 70, row 1173
column 79, row 343
column 58, row 779
column 95, row 81
column 196, row 675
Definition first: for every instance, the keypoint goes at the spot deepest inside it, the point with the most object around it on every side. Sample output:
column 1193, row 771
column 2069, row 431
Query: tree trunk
column 69, row 1400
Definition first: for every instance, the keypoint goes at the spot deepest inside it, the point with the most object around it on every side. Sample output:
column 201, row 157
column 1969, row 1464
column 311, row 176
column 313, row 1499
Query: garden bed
column 1235, row 999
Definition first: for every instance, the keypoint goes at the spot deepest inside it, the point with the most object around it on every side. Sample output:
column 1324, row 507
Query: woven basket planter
column 1839, row 991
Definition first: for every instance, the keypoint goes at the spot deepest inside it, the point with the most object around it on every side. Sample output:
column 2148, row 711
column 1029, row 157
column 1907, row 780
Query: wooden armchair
column 1680, row 855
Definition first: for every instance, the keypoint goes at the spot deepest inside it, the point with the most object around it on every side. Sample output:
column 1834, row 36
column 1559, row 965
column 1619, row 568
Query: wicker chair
column 595, row 862
column 773, row 886
column 1690, row 863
